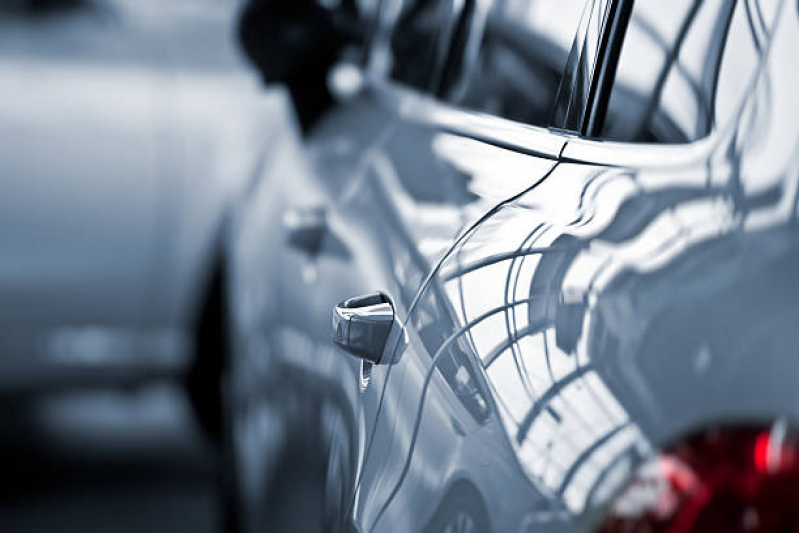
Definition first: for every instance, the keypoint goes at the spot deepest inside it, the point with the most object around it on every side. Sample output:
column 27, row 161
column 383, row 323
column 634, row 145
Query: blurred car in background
column 130, row 131
column 573, row 229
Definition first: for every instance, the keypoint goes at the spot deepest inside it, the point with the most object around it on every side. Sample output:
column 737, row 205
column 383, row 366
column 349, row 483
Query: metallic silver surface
column 129, row 131
column 572, row 305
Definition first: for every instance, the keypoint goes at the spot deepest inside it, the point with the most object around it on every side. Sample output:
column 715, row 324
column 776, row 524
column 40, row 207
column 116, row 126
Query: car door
column 480, row 163
column 394, row 178
column 382, row 199
column 354, row 223
column 80, row 189
column 513, row 293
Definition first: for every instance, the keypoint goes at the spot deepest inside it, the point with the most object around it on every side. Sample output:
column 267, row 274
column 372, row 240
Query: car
column 130, row 131
column 558, row 244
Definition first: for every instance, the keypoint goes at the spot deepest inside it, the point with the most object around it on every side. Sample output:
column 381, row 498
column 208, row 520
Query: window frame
column 427, row 107
column 596, row 150
column 550, row 142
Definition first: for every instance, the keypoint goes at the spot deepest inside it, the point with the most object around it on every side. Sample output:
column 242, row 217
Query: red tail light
column 730, row 480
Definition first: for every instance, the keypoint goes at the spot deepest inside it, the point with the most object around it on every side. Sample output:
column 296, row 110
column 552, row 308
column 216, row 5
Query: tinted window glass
column 571, row 103
column 747, row 36
column 417, row 37
column 683, row 68
column 513, row 58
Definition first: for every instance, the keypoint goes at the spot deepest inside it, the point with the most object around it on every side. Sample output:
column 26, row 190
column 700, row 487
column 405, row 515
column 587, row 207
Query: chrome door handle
column 305, row 227
column 368, row 328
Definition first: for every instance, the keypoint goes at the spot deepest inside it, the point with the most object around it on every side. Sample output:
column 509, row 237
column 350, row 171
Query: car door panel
column 437, row 319
column 492, row 175
column 382, row 216
column 284, row 313
column 571, row 296
column 81, row 197
column 433, row 173
column 388, row 218
column 511, row 283
column 397, row 193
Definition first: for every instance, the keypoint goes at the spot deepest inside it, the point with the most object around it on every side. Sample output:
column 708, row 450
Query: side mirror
column 368, row 328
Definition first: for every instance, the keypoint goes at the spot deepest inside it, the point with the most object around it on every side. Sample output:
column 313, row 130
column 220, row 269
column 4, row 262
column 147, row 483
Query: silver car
column 129, row 131
column 558, row 243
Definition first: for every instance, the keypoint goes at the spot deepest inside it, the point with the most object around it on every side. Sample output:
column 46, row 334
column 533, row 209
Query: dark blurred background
column 106, row 460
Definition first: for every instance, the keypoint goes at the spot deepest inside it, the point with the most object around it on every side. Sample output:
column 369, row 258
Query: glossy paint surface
column 572, row 306
column 613, row 310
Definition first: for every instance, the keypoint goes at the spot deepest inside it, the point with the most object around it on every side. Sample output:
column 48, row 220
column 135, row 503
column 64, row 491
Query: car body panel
column 545, row 282
column 63, row 127
column 614, row 310
column 421, row 204
column 120, row 161
column 416, row 206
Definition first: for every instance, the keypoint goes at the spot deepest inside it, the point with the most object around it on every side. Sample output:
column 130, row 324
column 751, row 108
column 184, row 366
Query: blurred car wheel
column 204, row 378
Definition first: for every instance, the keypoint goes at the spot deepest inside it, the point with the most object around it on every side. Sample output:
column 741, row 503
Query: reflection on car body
column 578, row 301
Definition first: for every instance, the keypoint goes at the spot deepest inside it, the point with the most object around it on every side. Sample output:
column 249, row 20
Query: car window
column 514, row 57
column 749, row 31
column 683, row 68
column 577, row 86
column 411, row 38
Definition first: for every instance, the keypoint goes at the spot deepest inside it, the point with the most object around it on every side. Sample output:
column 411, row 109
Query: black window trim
column 550, row 142
column 604, row 74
